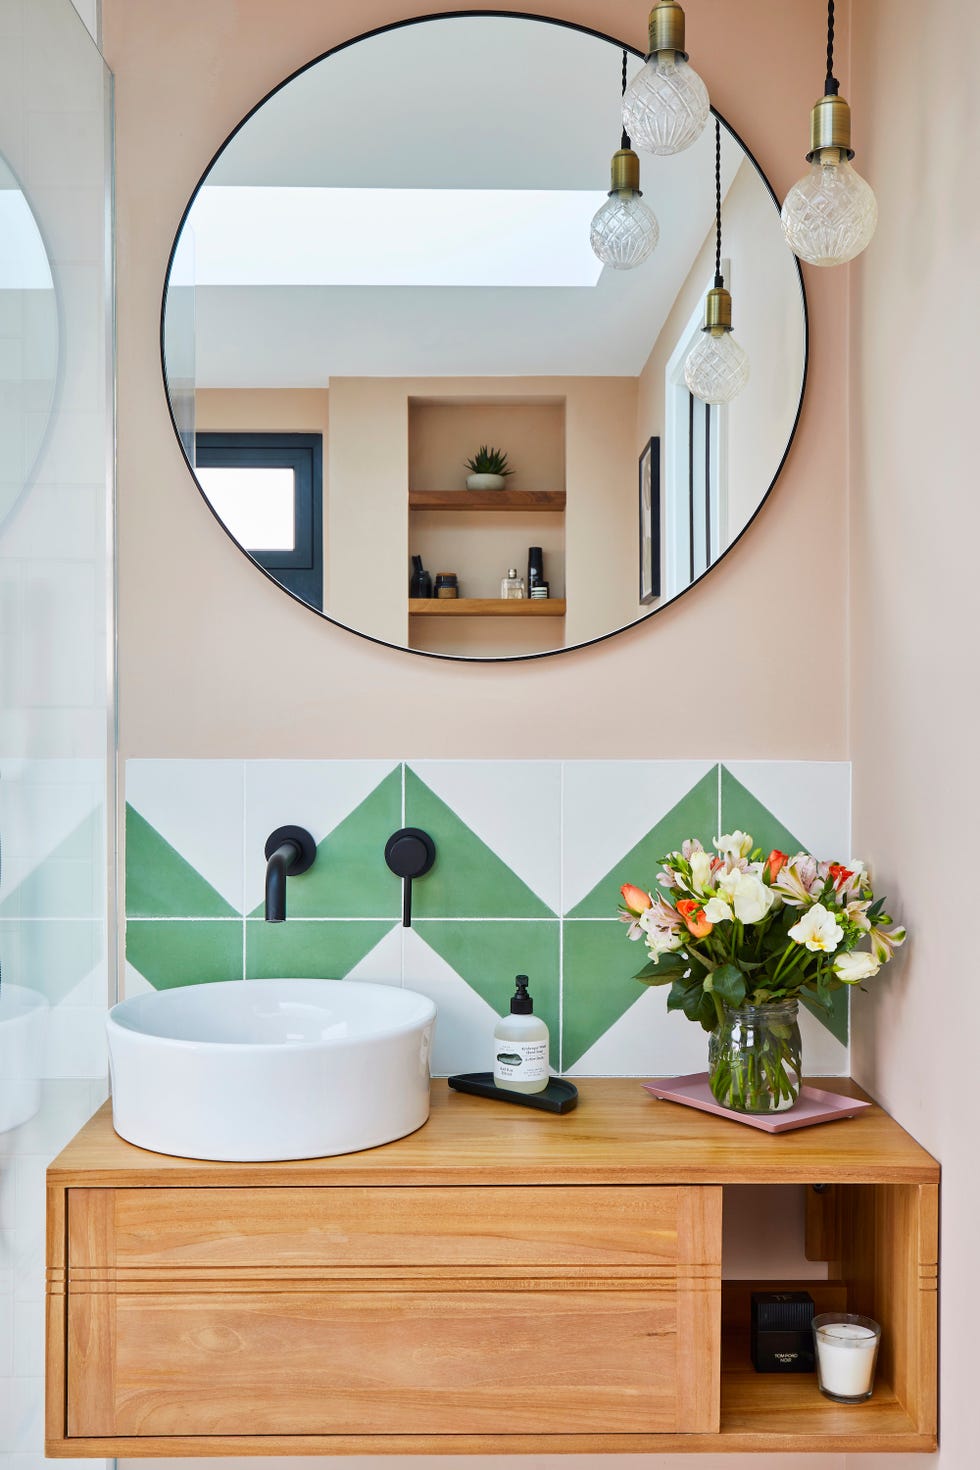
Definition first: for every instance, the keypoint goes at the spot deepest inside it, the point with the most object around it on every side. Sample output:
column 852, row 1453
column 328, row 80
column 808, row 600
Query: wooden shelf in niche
column 487, row 607
column 503, row 500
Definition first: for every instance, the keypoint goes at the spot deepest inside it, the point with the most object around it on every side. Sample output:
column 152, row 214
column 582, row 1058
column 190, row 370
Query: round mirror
column 29, row 341
column 385, row 282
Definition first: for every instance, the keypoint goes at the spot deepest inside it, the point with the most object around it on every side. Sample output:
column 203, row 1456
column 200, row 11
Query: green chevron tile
column 169, row 952
column 487, row 955
column 695, row 815
column 309, row 948
column 468, row 879
column 160, row 883
column 599, row 963
column 350, row 879
column 741, row 811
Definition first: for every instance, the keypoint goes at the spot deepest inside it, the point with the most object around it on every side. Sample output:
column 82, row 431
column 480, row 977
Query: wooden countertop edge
column 708, row 1442
column 508, row 1146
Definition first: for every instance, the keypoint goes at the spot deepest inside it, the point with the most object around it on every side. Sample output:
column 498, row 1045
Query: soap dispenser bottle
column 520, row 1045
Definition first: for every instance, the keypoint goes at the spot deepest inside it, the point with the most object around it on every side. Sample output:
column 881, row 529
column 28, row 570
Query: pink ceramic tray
column 814, row 1105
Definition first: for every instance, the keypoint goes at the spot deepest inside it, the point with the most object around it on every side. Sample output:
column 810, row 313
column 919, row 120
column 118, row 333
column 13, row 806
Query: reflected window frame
column 299, row 570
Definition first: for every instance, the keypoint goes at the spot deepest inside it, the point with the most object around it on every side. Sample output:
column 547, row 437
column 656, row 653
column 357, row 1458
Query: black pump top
column 521, row 1003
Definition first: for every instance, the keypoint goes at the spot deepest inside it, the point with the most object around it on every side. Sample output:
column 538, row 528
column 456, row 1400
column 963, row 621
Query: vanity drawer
column 140, row 1232
column 561, row 1358
column 375, row 1311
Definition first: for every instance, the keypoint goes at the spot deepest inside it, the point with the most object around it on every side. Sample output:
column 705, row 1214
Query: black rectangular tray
column 558, row 1097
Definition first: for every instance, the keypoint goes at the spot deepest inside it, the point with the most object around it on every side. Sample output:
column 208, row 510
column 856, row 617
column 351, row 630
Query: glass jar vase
column 754, row 1058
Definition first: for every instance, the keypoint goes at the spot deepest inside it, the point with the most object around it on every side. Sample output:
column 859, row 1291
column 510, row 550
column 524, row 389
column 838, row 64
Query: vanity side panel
column 889, row 1241
column 699, row 1231
column 56, row 1319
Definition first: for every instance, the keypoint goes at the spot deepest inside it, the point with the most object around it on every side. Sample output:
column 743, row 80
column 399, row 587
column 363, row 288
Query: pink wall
column 195, row 618
column 915, row 525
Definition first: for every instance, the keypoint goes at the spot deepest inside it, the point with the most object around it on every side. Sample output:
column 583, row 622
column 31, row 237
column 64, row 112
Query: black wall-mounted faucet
column 288, row 851
column 409, row 854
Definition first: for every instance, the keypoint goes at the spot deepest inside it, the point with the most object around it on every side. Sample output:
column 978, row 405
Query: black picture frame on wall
column 650, row 522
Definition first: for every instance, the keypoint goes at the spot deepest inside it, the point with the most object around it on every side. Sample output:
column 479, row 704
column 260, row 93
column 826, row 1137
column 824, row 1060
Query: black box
column 782, row 1335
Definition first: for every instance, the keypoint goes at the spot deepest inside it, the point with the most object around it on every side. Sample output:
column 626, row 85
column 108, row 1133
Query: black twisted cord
column 831, row 85
column 625, row 142
column 719, row 278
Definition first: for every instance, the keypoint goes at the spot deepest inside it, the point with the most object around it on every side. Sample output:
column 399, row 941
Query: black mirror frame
column 400, row 647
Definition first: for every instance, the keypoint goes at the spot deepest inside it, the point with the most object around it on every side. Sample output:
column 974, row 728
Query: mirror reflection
column 388, row 269
column 28, row 341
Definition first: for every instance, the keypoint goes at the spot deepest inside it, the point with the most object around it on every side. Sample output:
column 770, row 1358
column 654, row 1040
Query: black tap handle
column 409, row 854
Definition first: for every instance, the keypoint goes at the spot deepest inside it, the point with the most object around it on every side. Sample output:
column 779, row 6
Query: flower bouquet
column 740, row 938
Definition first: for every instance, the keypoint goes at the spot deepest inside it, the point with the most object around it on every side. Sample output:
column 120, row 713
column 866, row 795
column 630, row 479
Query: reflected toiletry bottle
column 421, row 581
column 520, row 1046
column 512, row 585
column 535, row 569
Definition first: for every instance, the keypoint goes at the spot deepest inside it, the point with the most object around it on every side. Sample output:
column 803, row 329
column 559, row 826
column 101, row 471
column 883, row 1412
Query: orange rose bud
column 774, row 862
column 635, row 899
column 692, row 913
column 840, row 874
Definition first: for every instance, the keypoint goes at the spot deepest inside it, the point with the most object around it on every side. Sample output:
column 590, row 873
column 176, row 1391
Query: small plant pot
column 485, row 482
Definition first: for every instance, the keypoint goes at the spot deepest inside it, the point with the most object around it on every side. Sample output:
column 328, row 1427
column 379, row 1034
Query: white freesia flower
column 858, row 965
column 716, row 911
column 818, row 929
column 700, row 872
column 734, row 845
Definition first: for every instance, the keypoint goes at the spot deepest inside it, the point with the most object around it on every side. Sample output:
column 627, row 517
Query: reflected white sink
column 256, row 1070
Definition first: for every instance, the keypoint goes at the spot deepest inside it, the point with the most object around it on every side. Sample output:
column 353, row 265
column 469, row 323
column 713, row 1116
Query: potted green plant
column 489, row 469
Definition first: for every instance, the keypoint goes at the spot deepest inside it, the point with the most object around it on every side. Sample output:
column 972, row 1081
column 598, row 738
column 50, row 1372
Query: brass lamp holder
column 624, row 173
column 717, row 309
column 830, row 126
column 666, row 29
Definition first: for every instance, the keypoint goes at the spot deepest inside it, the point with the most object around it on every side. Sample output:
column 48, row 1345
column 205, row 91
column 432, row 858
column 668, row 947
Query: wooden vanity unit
column 503, row 1280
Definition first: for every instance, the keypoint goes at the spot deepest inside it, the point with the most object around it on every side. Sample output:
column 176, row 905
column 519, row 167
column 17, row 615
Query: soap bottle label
column 520, row 1061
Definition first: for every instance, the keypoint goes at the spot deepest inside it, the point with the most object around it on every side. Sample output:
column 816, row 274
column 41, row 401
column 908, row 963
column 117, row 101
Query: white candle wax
column 846, row 1354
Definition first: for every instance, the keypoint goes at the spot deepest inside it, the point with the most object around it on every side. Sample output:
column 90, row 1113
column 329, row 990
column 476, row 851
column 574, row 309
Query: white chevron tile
column 609, row 806
column 512, row 806
column 198, row 807
column 811, row 798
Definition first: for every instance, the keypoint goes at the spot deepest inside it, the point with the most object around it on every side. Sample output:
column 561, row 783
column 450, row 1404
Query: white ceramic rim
column 181, row 1043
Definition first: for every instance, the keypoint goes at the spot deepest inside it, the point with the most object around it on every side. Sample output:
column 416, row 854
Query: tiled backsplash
column 530, row 857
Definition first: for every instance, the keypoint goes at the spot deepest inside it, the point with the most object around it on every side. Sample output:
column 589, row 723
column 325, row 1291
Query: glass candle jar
column 847, row 1349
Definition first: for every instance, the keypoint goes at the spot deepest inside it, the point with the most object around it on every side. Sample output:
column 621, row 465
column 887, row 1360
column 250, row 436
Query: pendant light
column 624, row 231
column 830, row 215
column 717, row 367
column 666, row 104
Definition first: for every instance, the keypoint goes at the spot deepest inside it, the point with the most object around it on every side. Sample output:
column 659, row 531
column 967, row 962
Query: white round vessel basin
column 253, row 1070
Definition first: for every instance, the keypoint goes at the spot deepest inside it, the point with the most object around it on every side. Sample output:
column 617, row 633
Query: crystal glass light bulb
column 830, row 215
column 717, row 368
column 624, row 231
column 665, row 106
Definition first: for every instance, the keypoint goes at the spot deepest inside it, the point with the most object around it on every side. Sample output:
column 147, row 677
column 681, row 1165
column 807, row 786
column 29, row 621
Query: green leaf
column 707, row 1014
column 668, row 969
column 694, row 1000
column 679, row 992
column 729, row 983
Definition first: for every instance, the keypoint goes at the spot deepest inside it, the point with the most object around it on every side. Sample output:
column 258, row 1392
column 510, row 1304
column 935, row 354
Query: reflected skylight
column 247, row 236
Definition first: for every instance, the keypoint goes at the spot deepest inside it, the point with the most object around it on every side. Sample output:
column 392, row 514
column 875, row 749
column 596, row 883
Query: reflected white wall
column 56, row 679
